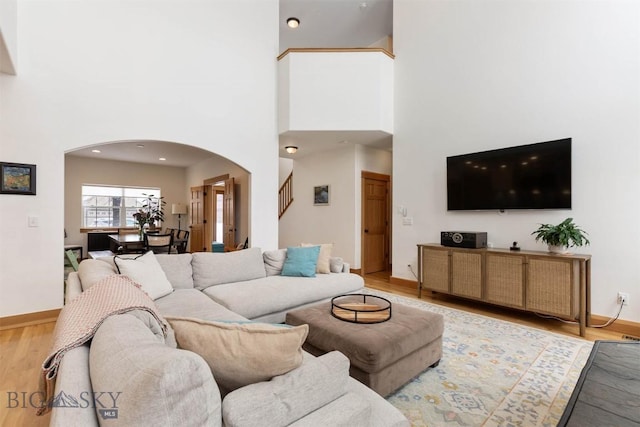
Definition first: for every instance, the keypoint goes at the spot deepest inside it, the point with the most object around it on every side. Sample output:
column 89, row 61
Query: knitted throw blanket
column 80, row 319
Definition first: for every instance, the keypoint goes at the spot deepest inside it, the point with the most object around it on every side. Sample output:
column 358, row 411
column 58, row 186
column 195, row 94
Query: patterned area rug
column 492, row 373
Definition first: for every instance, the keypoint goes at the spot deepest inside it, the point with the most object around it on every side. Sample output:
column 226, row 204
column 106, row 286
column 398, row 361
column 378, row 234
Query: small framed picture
column 321, row 195
column 18, row 178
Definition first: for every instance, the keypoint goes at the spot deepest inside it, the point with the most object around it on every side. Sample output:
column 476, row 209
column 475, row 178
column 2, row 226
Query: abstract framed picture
column 321, row 195
column 17, row 178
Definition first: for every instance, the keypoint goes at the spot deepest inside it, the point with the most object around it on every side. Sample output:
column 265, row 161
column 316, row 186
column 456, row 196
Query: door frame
column 380, row 177
column 209, row 215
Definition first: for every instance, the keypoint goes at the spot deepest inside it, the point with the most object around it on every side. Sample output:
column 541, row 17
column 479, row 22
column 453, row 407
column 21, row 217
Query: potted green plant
column 561, row 237
column 151, row 212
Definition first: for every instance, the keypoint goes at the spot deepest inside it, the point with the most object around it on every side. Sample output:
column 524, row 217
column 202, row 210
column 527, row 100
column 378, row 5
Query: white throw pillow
column 146, row 271
column 322, row 266
column 336, row 264
column 274, row 261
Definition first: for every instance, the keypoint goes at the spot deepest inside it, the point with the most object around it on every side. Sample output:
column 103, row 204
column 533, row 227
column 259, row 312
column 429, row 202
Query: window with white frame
column 111, row 206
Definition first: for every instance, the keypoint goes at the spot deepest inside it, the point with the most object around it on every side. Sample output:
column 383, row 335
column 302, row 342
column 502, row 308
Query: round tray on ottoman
column 361, row 308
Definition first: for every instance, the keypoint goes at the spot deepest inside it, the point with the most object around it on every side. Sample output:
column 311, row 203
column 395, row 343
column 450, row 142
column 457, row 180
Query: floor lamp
column 178, row 209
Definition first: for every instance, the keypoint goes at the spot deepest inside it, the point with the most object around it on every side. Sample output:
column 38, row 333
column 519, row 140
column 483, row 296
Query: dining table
column 134, row 243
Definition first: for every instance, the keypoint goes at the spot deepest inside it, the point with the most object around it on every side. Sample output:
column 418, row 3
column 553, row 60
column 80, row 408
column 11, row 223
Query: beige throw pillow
column 322, row 265
column 241, row 353
column 91, row 271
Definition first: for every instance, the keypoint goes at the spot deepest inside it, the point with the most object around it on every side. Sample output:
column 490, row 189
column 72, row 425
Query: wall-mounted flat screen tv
column 534, row 176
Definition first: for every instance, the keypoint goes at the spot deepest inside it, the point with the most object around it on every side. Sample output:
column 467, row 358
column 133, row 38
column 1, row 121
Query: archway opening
column 168, row 168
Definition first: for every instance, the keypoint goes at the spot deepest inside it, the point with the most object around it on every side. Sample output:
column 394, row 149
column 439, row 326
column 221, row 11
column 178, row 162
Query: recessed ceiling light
column 162, row 159
column 140, row 145
column 293, row 22
column 96, row 151
column 291, row 149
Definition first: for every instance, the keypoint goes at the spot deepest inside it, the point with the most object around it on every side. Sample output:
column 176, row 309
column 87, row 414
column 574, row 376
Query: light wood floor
column 22, row 350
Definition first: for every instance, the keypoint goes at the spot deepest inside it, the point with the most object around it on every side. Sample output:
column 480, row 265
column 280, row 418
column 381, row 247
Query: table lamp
column 178, row 209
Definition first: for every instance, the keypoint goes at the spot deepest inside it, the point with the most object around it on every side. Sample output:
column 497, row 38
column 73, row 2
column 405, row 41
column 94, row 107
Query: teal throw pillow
column 301, row 261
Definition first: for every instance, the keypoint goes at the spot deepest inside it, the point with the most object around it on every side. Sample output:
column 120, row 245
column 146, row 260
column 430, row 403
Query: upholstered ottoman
column 384, row 356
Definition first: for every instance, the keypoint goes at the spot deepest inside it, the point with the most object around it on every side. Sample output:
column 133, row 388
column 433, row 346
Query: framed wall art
column 17, row 178
column 321, row 195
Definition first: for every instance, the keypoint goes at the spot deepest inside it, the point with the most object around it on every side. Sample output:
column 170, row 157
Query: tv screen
column 534, row 176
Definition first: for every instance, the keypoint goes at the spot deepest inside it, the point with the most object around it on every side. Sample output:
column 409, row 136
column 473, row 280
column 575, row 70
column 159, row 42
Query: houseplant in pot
column 561, row 237
column 151, row 212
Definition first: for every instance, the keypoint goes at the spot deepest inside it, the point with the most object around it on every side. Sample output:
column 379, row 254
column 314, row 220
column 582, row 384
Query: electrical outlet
column 623, row 298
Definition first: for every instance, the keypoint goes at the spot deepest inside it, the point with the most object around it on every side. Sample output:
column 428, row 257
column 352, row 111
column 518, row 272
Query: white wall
column 474, row 75
column 92, row 72
column 79, row 171
column 285, row 167
column 335, row 91
column 217, row 166
column 335, row 223
column 339, row 222
column 8, row 33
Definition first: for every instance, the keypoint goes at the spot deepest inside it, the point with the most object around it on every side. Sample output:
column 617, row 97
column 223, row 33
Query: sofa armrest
column 73, row 287
column 287, row 398
column 74, row 381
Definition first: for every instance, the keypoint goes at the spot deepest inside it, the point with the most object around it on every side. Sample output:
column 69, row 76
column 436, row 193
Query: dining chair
column 71, row 257
column 158, row 243
column 183, row 237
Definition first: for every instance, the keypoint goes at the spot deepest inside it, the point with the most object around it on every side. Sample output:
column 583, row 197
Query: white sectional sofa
column 165, row 385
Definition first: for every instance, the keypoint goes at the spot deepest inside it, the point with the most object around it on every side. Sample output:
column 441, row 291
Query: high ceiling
column 335, row 23
column 323, row 23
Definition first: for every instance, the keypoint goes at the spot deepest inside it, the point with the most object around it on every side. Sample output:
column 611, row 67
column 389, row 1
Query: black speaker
column 464, row 239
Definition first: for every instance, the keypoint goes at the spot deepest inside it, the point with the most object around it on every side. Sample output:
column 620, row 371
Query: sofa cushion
column 91, row 271
column 241, row 353
column 349, row 410
column 177, row 268
column 289, row 397
column 336, row 264
column 273, row 261
column 158, row 385
column 278, row 293
column 210, row 268
column 301, row 261
column 322, row 266
column 193, row 303
column 146, row 271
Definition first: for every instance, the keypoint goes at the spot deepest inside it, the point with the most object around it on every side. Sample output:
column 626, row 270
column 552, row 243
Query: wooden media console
column 540, row 282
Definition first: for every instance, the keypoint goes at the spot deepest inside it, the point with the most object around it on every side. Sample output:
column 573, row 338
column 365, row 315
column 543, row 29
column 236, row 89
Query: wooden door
column 197, row 219
column 228, row 215
column 375, row 222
